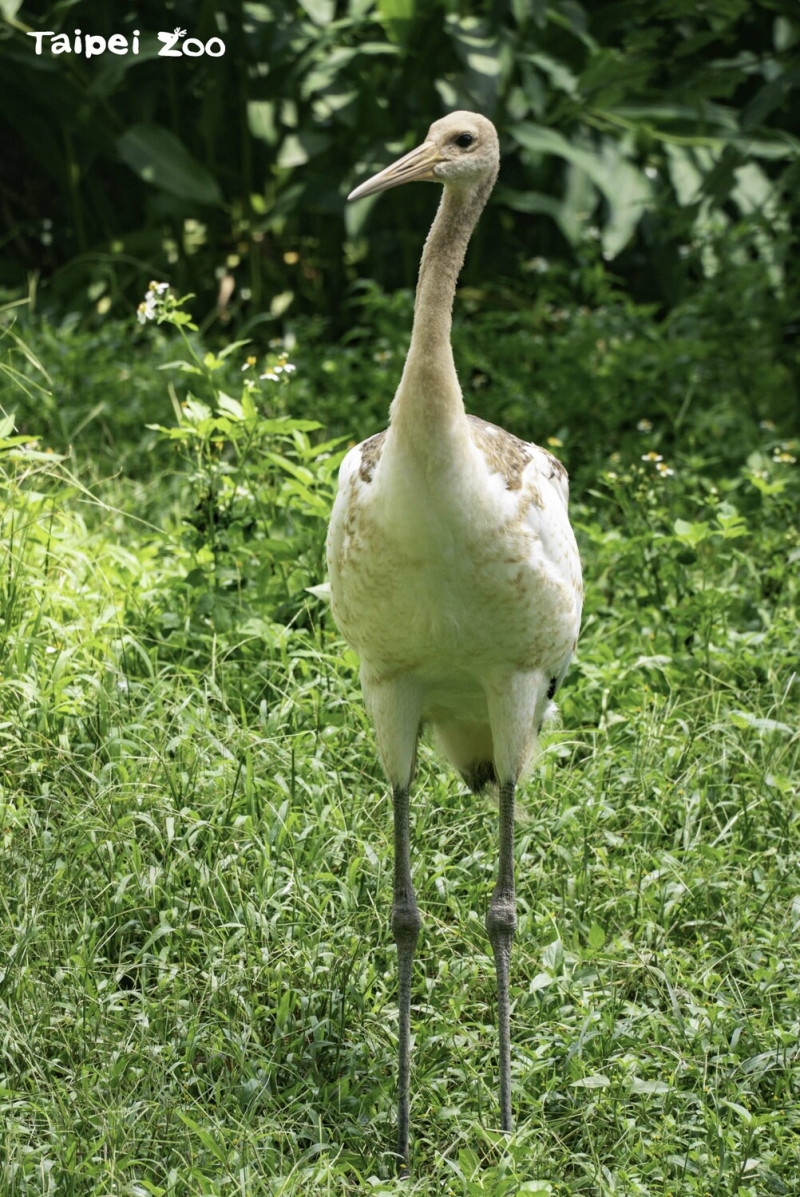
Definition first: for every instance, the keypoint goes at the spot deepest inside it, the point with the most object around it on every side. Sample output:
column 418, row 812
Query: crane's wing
column 506, row 454
column 540, row 484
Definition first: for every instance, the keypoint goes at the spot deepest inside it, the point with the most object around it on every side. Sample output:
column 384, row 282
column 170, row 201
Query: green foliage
column 260, row 489
column 198, row 981
column 122, row 167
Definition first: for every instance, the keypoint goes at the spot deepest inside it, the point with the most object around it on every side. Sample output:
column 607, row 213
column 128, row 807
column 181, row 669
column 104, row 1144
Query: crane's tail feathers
column 479, row 775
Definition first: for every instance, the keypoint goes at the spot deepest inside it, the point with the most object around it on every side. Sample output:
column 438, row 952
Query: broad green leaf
column 716, row 117
column 534, row 202
column 548, row 141
column 482, row 57
column 553, row 955
column 686, row 177
column 195, row 410
column 287, row 424
column 478, row 46
column 540, row 981
column 158, row 157
column 230, row 406
column 234, row 345
column 628, row 193
column 578, row 204
column 753, row 191
column 596, row 937
column 692, row 534
column 297, row 148
column 559, row 75
column 321, row 12
column 732, row 525
column 261, row 120
column 595, row 1081
column 649, row 1087
column 182, row 366
column 746, row 719
column 737, row 1108
column 326, row 71
column 468, row 1162
column 625, row 188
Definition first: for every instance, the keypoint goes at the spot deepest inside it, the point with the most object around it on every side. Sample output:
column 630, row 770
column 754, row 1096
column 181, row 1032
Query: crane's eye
column 464, row 140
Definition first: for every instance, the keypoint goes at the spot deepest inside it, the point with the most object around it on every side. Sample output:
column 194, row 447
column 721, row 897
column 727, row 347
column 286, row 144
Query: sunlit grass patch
column 197, row 989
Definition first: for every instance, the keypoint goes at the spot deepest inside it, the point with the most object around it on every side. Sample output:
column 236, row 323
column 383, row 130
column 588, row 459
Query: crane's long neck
column 428, row 402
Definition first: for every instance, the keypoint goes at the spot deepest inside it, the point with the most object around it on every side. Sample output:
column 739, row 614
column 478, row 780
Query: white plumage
column 448, row 577
column 454, row 570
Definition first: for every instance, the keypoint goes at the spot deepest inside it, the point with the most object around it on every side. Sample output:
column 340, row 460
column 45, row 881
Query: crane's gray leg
column 405, row 928
column 395, row 704
column 501, row 922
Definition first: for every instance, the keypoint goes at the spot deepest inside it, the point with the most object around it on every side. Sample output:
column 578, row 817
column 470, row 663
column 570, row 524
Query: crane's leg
column 405, row 928
column 394, row 704
column 501, row 922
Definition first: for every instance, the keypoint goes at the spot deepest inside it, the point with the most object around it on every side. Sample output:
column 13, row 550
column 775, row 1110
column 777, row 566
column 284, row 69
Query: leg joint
column 501, row 917
column 405, row 921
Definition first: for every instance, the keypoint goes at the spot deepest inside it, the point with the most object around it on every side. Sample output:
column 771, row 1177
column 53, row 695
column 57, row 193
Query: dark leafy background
column 653, row 126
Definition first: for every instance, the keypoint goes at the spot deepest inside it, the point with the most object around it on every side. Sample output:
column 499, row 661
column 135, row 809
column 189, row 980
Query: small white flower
column 644, row 426
column 146, row 309
column 152, row 301
column 652, row 457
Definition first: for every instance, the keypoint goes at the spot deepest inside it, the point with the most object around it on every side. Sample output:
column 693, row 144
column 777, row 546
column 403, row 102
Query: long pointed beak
column 418, row 164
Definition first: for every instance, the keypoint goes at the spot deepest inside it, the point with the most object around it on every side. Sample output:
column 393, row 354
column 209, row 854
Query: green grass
column 197, row 990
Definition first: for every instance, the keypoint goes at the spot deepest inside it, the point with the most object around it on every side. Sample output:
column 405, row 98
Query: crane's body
column 454, row 570
column 453, row 566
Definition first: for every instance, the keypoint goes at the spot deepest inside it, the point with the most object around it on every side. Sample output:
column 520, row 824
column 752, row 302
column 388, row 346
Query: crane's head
column 461, row 150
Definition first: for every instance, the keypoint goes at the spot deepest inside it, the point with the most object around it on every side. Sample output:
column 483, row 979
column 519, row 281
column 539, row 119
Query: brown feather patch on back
column 370, row 455
column 505, row 454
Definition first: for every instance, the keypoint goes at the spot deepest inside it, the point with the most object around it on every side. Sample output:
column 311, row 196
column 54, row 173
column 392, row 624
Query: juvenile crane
column 454, row 571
